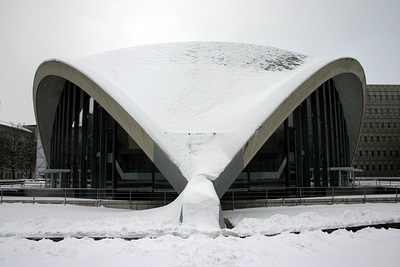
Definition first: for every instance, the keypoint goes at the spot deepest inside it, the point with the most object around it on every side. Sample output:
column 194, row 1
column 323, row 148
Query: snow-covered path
column 172, row 244
column 368, row 247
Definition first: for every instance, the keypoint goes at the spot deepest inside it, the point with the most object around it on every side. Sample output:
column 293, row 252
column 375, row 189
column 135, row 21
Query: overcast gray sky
column 32, row 31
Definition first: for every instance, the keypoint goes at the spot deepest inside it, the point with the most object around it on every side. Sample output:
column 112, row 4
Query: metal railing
column 116, row 198
column 309, row 196
column 377, row 181
column 141, row 199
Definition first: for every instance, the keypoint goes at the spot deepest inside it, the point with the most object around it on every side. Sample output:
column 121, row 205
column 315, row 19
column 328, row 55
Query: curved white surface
column 201, row 104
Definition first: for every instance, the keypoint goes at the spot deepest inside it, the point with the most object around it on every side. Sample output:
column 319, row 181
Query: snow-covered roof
column 15, row 126
column 200, row 108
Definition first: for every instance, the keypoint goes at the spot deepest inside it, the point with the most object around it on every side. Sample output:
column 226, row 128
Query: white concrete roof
column 200, row 106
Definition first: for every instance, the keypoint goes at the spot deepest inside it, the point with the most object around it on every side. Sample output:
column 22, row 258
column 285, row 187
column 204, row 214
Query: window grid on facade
column 380, row 133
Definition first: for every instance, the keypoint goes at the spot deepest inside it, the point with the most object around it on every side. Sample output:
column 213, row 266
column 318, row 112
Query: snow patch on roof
column 232, row 55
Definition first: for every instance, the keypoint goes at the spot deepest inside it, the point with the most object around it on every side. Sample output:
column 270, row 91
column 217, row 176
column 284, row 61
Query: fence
column 126, row 198
column 134, row 199
column 309, row 196
column 377, row 181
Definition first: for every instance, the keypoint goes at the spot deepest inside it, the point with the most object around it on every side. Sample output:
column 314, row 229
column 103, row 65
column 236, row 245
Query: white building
column 200, row 117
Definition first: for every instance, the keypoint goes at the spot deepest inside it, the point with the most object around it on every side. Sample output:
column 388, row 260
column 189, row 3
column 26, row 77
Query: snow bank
column 270, row 221
column 368, row 247
column 174, row 245
column 58, row 220
column 40, row 220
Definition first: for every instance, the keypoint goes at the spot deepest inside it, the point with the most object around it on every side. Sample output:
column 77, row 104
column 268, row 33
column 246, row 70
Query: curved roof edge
column 349, row 78
column 48, row 85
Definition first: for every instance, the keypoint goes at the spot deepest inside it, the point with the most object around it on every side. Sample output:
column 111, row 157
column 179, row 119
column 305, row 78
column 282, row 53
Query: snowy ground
column 170, row 244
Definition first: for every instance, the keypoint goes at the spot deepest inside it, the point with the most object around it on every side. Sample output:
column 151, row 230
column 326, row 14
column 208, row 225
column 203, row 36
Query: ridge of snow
column 52, row 220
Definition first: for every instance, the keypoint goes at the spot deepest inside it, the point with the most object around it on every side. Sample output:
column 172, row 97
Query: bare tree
column 17, row 151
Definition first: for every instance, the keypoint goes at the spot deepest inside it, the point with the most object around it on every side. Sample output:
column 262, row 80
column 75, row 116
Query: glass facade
column 305, row 148
column 90, row 149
